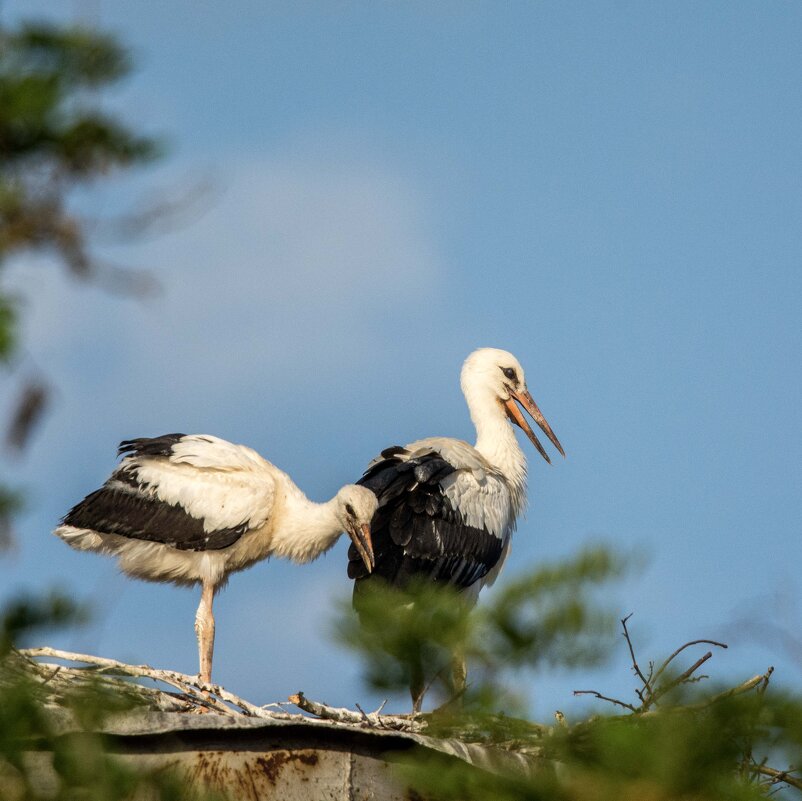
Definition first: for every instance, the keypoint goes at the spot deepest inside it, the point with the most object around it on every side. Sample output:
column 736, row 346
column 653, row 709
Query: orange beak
column 514, row 413
column 360, row 536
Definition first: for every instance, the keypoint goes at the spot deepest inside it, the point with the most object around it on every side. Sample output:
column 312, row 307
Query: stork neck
column 306, row 529
column 496, row 441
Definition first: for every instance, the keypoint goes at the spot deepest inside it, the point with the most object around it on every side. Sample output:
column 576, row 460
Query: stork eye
column 509, row 373
column 350, row 510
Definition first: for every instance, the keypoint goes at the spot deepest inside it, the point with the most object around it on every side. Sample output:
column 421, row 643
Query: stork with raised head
column 193, row 509
column 447, row 509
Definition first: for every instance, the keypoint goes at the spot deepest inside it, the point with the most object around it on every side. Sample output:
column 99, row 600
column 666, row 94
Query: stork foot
column 204, row 684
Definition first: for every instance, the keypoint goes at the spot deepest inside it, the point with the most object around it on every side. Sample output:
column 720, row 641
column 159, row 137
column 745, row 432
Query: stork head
column 494, row 379
column 355, row 508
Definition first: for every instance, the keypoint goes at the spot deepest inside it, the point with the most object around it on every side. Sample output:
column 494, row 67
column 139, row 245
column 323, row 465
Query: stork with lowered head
column 194, row 509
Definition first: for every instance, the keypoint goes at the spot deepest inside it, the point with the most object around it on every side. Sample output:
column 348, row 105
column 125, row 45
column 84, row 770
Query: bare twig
column 342, row 715
column 362, row 711
column 651, row 693
column 778, row 776
column 695, row 679
column 635, row 666
column 682, row 678
column 681, row 649
column 745, row 687
column 53, row 675
column 605, row 698
column 28, row 412
column 766, row 677
column 691, row 670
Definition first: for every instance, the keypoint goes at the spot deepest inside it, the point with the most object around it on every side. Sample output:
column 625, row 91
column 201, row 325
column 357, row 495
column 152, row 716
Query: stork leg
column 417, row 687
column 204, row 628
column 459, row 673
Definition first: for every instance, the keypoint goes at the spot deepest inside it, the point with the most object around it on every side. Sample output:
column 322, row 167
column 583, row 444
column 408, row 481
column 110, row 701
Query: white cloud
column 300, row 261
column 301, row 273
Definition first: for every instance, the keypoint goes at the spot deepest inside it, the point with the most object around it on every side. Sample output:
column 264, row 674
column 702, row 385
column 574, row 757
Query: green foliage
column 691, row 751
column 60, row 753
column 675, row 742
column 400, row 633
column 54, row 137
column 27, row 614
column 547, row 616
column 8, row 319
column 43, row 70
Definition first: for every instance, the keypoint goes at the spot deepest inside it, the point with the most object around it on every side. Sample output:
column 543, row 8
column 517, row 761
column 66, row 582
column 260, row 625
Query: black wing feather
column 133, row 510
column 416, row 532
column 149, row 446
column 118, row 511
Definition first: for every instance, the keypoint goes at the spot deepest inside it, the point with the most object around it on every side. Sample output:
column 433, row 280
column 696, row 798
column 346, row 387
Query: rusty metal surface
column 252, row 759
column 289, row 775
column 165, row 729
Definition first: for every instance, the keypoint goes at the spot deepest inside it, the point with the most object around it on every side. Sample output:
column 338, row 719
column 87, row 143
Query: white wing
column 476, row 490
column 456, row 452
column 483, row 500
column 223, row 484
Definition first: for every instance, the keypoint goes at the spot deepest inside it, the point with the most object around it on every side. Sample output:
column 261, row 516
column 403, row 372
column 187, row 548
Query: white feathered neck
column 305, row 529
column 495, row 438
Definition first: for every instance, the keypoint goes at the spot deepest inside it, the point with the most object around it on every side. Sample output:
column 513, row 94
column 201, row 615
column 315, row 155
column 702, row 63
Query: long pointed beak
column 514, row 413
column 360, row 536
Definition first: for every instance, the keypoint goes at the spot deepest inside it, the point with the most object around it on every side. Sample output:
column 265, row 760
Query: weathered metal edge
column 160, row 731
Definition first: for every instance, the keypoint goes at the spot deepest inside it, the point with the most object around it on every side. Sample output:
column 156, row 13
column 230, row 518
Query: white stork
column 447, row 509
column 193, row 509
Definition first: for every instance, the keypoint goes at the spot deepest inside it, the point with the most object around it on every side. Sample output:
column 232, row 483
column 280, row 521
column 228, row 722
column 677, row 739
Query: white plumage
column 193, row 509
column 447, row 509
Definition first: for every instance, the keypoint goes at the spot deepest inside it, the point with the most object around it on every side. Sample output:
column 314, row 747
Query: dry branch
column 359, row 718
column 681, row 649
column 193, row 693
column 778, row 776
column 684, row 677
column 635, row 667
column 601, row 697
column 762, row 680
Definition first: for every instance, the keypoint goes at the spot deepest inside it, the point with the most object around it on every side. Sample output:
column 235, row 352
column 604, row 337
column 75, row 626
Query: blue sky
column 610, row 191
